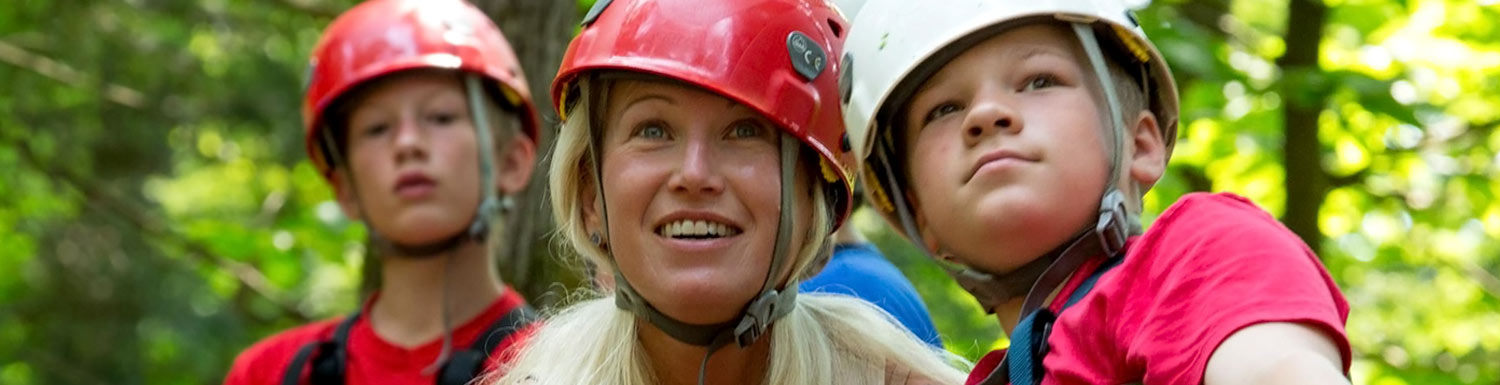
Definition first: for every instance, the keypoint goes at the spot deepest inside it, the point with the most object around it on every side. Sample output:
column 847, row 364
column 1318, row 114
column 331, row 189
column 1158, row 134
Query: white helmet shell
column 850, row 8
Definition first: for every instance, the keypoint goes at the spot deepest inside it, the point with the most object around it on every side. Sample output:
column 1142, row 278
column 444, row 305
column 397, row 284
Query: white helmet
column 850, row 8
column 895, row 45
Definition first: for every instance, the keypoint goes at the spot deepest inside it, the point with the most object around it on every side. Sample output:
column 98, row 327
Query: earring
column 594, row 237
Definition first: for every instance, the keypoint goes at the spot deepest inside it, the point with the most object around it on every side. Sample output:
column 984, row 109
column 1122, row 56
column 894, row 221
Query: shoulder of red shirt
column 1239, row 248
column 1196, row 220
column 266, row 361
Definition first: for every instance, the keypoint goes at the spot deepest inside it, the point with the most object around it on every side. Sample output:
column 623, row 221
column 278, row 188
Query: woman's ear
column 1148, row 152
column 589, row 205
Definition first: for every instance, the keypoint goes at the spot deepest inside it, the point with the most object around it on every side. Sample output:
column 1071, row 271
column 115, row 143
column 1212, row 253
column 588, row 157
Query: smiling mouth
column 694, row 230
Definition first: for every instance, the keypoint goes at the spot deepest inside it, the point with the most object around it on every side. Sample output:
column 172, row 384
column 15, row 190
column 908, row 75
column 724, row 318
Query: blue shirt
column 861, row 271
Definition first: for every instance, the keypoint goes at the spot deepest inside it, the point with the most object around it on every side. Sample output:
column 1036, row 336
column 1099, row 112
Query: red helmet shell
column 381, row 37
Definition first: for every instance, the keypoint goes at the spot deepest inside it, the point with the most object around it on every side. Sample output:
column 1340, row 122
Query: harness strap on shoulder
column 293, row 374
column 469, row 363
column 328, row 357
column 1028, row 345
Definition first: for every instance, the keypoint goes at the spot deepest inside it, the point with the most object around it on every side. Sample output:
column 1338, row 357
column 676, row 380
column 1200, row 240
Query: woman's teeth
column 696, row 229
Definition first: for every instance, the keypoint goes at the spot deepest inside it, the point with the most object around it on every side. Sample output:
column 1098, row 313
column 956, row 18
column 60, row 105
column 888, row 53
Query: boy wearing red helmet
column 418, row 115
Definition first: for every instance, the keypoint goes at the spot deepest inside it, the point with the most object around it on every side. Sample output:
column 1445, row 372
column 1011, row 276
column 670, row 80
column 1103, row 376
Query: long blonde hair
column 824, row 339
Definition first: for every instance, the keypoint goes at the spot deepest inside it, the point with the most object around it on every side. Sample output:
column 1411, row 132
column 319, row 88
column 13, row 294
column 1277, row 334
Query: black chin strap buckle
column 767, row 307
column 1113, row 228
column 756, row 320
column 480, row 228
column 984, row 287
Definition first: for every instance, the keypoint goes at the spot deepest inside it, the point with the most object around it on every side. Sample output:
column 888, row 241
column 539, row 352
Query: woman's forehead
column 624, row 93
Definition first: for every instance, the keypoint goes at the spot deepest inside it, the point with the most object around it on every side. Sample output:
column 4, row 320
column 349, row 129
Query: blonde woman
column 702, row 162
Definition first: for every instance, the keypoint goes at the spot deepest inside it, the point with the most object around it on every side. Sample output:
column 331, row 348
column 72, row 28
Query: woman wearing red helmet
column 702, row 163
column 418, row 115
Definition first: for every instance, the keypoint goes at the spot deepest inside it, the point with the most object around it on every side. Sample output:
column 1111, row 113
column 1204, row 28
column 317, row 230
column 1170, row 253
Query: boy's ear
column 343, row 191
column 1148, row 154
column 516, row 160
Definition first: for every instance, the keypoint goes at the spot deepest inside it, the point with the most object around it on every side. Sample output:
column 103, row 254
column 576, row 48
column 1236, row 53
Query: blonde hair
column 825, row 339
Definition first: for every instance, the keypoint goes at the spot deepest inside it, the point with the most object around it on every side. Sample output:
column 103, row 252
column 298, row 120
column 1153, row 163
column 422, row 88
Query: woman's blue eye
column 653, row 131
column 746, row 130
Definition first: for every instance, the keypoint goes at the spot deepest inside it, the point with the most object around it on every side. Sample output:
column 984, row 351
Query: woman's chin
column 698, row 301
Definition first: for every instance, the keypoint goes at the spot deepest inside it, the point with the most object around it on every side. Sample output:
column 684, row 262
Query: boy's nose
column 987, row 119
column 697, row 173
column 411, row 141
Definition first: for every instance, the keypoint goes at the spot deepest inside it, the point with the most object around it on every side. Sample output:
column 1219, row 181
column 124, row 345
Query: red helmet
column 777, row 57
column 381, row 37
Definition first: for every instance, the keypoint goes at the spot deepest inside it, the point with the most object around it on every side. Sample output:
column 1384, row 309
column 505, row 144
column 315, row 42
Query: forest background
column 158, row 214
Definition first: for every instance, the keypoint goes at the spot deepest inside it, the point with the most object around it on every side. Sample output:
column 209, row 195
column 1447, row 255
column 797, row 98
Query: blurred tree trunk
column 539, row 31
column 1306, row 181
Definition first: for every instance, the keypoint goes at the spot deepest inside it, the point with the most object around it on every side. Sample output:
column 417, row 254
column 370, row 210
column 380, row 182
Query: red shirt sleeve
column 1212, row 265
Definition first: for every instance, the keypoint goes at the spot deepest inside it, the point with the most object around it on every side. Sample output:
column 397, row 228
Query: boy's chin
column 422, row 229
column 1008, row 213
column 998, row 264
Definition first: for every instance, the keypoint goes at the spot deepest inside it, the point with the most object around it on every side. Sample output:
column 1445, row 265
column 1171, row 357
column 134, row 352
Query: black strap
column 293, row 374
column 469, row 363
column 329, row 358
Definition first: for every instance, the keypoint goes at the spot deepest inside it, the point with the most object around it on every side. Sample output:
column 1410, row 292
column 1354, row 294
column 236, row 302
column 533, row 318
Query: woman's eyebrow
column 647, row 97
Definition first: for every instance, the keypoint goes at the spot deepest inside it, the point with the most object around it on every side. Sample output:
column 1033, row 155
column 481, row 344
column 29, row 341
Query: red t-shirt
column 371, row 360
column 1211, row 265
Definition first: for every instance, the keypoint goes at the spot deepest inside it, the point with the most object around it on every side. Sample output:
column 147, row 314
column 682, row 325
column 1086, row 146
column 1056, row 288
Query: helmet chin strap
column 756, row 318
column 490, row 207
column 1104, row 237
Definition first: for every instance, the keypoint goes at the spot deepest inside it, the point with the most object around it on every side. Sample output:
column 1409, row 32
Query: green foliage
column 158, row 214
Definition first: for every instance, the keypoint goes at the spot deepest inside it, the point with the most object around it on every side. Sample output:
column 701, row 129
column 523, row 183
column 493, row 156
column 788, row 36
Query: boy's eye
column 442, row 118
column 1040, row 82
column 940, row 111
column 373, row 130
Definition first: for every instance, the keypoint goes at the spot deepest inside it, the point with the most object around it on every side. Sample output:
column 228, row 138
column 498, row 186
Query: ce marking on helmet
column 807, row 56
